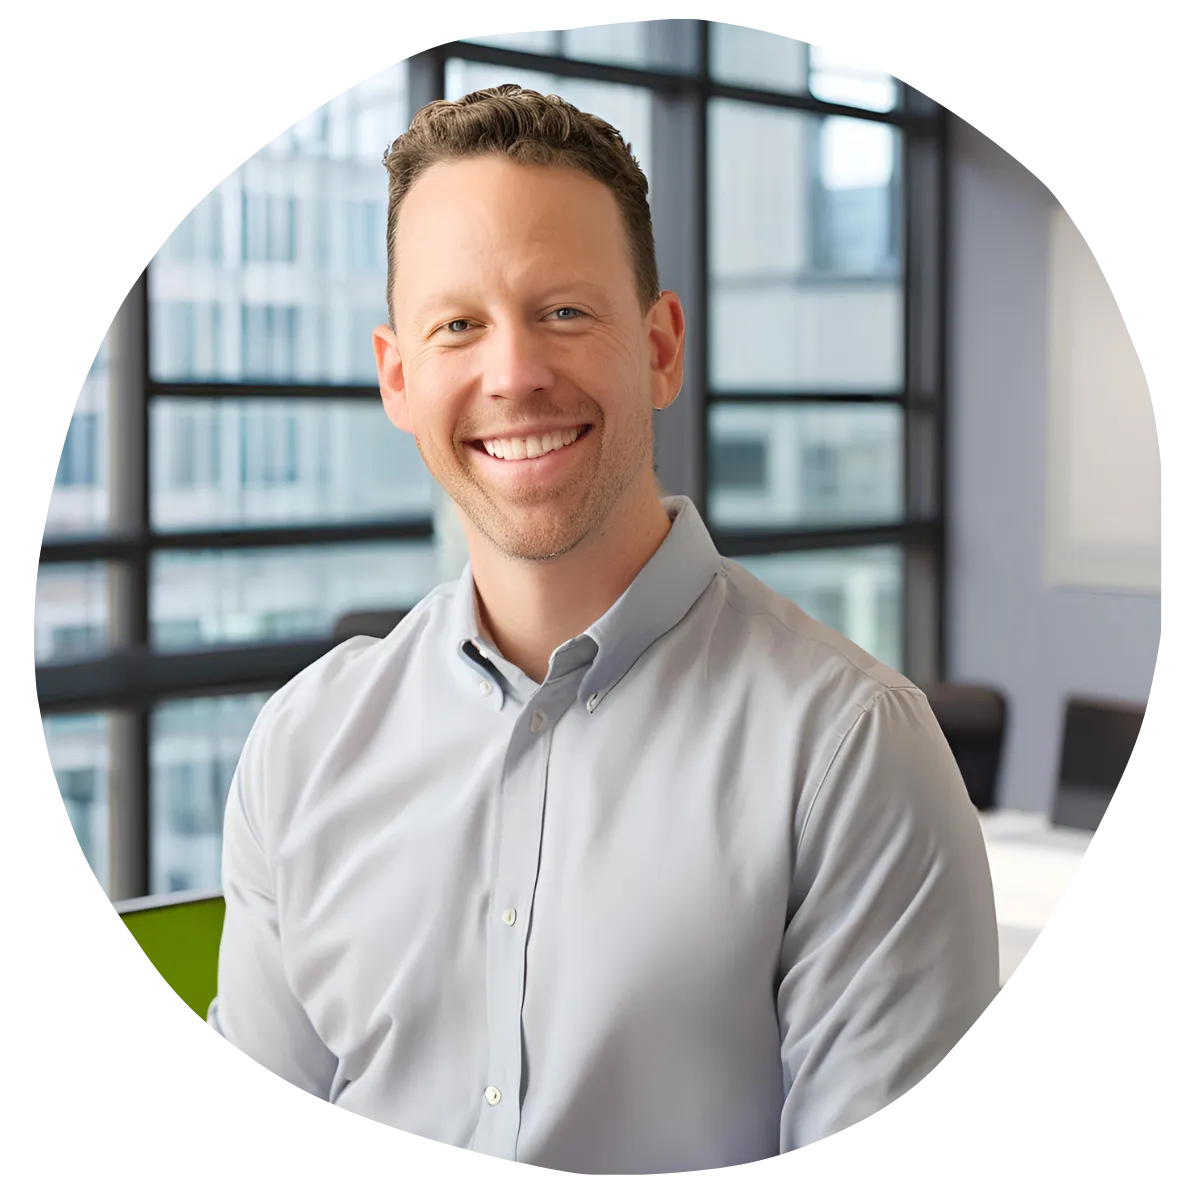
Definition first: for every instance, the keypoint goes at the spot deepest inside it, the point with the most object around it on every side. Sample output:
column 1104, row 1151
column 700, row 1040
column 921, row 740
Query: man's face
column 521, row 360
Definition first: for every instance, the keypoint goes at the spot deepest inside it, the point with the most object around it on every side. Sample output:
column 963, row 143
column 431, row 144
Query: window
column 79, row 465
column 190, row 341
column 268, row 228
column 820, row 474
column 269, row 447
column 739, row 463
column 78, row 641
column 366, row 234
column 270, row 341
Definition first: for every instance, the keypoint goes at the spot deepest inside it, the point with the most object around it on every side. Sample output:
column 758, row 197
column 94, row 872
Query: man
column 608, row 858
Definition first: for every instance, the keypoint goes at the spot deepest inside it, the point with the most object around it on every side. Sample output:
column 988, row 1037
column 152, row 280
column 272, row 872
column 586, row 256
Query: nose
column 516, row 362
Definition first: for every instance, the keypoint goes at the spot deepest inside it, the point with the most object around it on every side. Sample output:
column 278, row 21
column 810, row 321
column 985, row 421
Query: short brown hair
column 533, row 130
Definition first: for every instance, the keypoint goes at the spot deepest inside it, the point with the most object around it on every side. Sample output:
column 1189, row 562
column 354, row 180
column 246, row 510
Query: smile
column 517, row 448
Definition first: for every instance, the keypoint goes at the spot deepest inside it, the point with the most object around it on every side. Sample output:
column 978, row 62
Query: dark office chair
column 1097, row 740
column 373, row 624
column 973, row 719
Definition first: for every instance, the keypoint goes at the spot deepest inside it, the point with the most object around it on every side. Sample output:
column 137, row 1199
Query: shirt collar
column 656, row 601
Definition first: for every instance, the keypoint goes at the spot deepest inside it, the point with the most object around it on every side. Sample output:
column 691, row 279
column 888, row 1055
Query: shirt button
column 593, row 700
column 537, row 722
column 491, row 1095
column 509, row 916
column 485, row 687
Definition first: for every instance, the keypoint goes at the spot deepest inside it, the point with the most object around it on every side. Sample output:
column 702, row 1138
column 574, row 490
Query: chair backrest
column 1097, row 740
column 973, row 720
column 180, row 933
column 374, row 624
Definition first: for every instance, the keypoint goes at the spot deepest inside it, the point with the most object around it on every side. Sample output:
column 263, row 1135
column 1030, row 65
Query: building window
column 820, row 475
column 78, row 641
column 268, row 228
column 79, row 464
column 270, row 341
column 193, row 449
column 739, row 463
column 269, row 448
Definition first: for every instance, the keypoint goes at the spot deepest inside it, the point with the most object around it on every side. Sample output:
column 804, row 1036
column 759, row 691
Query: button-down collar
column 657, row 600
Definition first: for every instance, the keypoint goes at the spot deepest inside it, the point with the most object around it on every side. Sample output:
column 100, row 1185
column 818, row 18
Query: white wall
column 1005, row 626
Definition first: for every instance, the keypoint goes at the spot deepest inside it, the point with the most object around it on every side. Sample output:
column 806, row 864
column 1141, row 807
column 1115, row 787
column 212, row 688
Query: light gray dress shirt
column 711, row 891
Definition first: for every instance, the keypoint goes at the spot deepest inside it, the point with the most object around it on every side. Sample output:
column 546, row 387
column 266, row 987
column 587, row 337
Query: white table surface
column 1032, row 863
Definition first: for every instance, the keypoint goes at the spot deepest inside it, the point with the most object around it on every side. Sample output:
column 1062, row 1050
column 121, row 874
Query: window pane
column 201, row 598
column 246, row 463
column 774, row 465
column 754, row 58
column 805, row 252
column 651, row 45
column 857, row 592
column 70, row 614
column 280, row 272
column 78, row 747
column 534, row 41
column 834, row 78
column 79, row 501
column 194, row 748
column 625, row 108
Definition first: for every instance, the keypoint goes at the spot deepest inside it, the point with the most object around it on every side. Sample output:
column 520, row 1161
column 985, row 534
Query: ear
column 391, row 377
column 665, row 332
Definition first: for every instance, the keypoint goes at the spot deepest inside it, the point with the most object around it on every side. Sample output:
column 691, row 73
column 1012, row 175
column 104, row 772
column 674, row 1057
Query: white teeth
column 529, row 447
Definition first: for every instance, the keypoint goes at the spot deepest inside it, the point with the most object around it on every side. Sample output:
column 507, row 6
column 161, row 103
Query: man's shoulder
column 321, row 694
column 780, row 641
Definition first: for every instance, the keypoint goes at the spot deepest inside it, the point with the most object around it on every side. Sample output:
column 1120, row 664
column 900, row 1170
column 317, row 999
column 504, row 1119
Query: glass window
column 272, row 277
column 70, row 612
column 238, row 464
column 804, row 251
column 648, row 45
column 754, row 58
column 210, row 597
column 534, row 41
column 775, row 465
column 268, row 228
column 627, row 109
column 194, row 749
column 857, row 592
column 79, row 501
column 79, row 465
column 834, row 78
column 78, row 749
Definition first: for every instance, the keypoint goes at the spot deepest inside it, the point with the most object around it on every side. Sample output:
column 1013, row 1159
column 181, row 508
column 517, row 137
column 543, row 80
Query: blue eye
column 460, row 321
column 571, row 312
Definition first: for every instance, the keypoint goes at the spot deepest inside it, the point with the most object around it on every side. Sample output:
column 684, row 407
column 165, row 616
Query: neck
column 528, row 609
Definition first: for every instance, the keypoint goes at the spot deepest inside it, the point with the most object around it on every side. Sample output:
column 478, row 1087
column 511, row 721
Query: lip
column 546, row 468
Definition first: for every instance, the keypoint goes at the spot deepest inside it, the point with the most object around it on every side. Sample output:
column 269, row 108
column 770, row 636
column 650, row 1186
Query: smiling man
column 607, row 858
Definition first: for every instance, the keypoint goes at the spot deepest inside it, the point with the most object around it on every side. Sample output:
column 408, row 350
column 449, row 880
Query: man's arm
column 891, row 954
column 255, row 1008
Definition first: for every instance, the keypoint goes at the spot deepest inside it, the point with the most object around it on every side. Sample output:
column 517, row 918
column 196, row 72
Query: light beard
column 520, row 532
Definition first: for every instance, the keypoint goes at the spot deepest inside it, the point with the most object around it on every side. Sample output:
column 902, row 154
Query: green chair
column 180, row 934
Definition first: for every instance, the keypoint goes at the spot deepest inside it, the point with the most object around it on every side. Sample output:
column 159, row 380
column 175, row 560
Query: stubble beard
column 546, row 524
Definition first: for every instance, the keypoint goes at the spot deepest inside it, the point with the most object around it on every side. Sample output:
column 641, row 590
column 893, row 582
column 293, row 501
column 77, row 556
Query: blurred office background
column 887, row 415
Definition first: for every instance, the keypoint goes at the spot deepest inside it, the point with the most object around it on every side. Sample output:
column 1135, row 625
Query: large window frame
column 131, row 678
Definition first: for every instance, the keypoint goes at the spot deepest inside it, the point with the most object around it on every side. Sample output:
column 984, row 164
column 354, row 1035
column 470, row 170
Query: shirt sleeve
column 891, row 951
column 255, row 1008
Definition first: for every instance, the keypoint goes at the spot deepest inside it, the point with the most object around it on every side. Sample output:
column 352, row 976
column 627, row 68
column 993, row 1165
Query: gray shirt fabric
column 711, row 891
